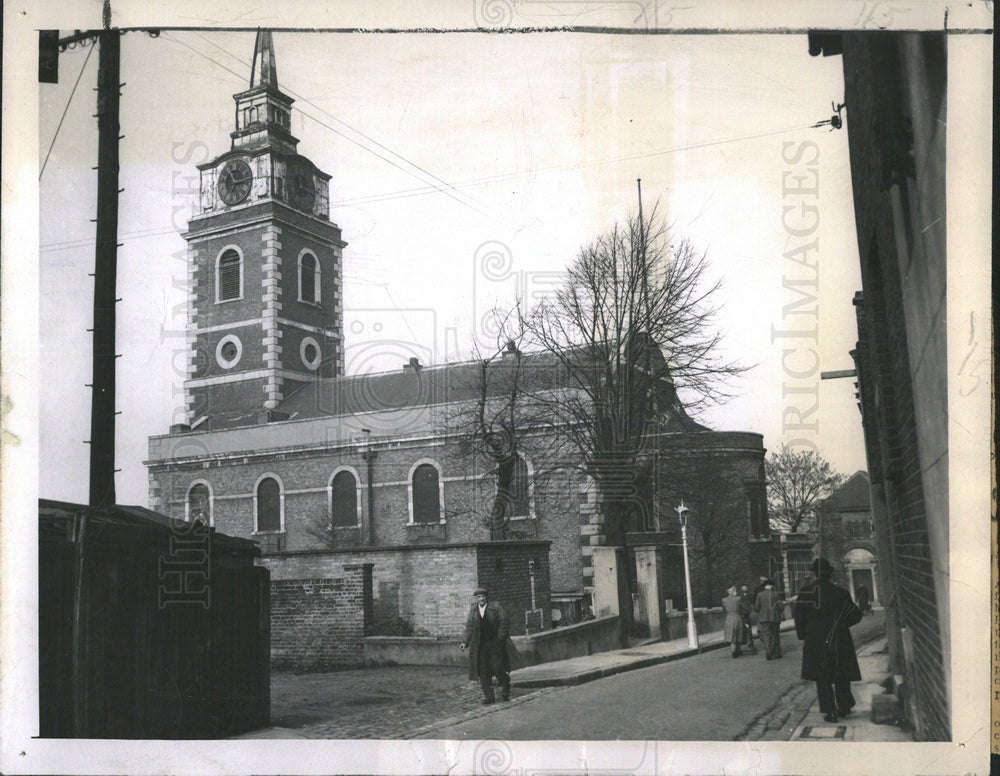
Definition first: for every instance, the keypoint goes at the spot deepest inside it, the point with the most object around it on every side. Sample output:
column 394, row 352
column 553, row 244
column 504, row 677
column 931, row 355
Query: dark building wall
column 895, row 87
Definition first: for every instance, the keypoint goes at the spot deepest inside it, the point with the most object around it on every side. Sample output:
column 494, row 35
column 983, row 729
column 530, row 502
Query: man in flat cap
column 487, row 636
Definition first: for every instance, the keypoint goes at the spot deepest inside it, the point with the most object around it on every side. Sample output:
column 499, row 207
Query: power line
column 473, row 206
column 66, row 109
column 403, row 193
column 367, row 137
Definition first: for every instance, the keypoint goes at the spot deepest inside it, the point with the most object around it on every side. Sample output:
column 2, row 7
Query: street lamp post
column 691, row 629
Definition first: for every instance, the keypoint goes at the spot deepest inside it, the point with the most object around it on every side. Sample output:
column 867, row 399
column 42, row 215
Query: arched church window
column 344, row 500
column 426, row 494
column 268, row 505
column 199, row 504
column 308, row 278
column 230, row 276
column 520, row 496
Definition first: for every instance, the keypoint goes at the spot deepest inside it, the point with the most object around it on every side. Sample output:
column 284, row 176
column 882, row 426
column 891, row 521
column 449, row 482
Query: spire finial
column 264, row 71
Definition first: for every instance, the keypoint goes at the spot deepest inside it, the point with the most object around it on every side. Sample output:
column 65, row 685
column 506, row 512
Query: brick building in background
column 895, row 89
column 846, row 537
column 362, row 483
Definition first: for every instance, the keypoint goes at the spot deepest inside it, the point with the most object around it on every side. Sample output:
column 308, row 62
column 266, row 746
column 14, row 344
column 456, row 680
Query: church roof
column 415, row 386
column 420, row 386
column 853, row 495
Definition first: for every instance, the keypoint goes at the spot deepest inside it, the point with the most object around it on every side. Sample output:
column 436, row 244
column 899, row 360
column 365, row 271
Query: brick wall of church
column 305, row 478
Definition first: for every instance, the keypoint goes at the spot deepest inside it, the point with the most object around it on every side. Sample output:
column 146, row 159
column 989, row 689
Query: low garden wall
column 585, row 638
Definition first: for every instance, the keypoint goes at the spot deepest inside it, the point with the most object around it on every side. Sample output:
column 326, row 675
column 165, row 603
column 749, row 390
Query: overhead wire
column 481, row 209
column 340, row 121
column 66, row 109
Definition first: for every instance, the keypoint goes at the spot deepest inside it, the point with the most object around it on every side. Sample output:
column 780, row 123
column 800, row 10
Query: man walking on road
column 487, row 635
column 768, row 606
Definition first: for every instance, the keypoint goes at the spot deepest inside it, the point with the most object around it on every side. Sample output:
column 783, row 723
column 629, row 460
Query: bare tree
column 716, row 523
column 631, row 328
column 797, row 482
column 498, row 423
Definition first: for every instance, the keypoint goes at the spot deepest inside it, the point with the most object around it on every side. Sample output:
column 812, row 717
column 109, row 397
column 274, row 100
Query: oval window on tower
column 310, row 353
column 228, row 351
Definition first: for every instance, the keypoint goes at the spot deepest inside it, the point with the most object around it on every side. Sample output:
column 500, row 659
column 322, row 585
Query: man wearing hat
column 824, row 614
column 487, row 636
column 768, row 606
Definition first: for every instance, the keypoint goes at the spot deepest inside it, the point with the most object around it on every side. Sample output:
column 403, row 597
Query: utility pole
column 102, row 416
column 102, row 413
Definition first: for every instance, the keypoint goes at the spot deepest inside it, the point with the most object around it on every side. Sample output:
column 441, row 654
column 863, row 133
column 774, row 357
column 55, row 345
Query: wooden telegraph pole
column 102, row 417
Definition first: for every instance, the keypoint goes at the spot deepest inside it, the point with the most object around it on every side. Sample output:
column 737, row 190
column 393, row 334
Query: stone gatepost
column 607, row 570
column 649, row 573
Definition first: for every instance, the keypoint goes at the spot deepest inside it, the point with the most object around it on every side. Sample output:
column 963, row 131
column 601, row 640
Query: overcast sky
column 467, row 169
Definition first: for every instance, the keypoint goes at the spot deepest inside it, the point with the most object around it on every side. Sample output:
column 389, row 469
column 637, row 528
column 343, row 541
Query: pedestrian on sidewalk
column 746, row 614
column 734, row 623
column 769, row 606
column 862, row 599
column 824, row 614
column 491, row 652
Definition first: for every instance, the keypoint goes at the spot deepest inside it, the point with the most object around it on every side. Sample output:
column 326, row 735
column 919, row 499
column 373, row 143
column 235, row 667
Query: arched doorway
column 861, row 568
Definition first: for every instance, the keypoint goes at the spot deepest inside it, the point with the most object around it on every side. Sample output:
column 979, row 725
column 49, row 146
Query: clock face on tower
column 301, row 187
column 234, row 182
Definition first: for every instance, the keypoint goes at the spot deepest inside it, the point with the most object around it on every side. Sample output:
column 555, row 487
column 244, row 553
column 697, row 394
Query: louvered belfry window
column 307, row 275
column 229, row 276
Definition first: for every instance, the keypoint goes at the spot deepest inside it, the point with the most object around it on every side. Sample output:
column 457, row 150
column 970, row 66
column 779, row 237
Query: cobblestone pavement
column 779, row 722
column 394, row 702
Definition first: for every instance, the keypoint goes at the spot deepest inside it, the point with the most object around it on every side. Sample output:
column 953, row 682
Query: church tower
column 265, row 312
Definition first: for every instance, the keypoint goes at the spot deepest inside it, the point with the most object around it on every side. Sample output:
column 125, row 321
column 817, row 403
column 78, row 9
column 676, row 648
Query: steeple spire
column 264, row 71
column 263, row 111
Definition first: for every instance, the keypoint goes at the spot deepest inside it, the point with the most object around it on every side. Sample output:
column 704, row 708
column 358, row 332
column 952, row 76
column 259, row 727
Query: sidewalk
column 405, row 701
column 577, row 670
column 874, row 662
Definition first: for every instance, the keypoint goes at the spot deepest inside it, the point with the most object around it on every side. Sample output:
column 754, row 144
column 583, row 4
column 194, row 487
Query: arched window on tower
column 308, row 278
column 229, row 276
column 268, row 505
column 426, row 494
column 344, row 500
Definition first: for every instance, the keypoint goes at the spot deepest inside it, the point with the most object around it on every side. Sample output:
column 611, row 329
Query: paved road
column 709, row 697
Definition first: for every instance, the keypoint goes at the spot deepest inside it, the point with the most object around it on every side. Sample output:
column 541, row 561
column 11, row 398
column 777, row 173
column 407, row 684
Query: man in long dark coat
column 487, row 636
column 824, row 614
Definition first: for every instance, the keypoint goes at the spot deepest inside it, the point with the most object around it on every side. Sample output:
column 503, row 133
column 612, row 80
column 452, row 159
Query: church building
column 364, row 477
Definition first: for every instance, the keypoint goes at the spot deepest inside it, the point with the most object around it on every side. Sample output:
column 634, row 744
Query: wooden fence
column 149, row 627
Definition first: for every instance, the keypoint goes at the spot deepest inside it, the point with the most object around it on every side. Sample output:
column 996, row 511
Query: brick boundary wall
column 319, row 624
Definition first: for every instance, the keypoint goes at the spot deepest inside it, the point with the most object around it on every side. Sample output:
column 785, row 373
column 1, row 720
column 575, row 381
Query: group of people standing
column 740, row 605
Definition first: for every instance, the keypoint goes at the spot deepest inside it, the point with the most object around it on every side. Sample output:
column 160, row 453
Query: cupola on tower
column 265, row 312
